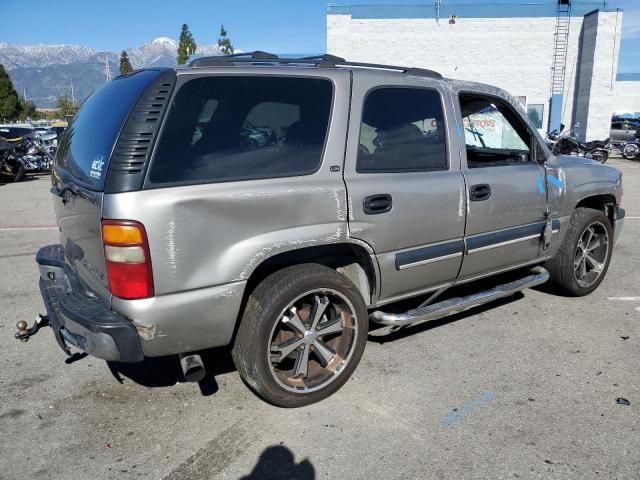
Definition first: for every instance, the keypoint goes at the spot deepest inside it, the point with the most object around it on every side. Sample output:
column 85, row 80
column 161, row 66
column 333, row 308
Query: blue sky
column 282, row 26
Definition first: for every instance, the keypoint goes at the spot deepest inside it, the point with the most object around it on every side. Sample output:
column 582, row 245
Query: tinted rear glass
column 402, row 130
column 85, row 149
column 234, row 128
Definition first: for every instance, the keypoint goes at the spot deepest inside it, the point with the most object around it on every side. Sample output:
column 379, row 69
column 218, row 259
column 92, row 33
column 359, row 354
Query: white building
column 510, row 46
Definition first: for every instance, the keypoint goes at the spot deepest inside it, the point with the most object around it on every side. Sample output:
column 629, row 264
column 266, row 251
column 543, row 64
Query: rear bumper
column 81, row 319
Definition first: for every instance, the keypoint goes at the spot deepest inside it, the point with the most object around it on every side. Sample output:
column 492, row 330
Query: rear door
column 505, row 187
column 405, row 189
column 80, row 172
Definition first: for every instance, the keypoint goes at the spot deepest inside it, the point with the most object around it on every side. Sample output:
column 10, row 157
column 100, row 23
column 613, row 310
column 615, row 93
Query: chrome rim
column 312, row 341
column 631, row 150
column 591, row 254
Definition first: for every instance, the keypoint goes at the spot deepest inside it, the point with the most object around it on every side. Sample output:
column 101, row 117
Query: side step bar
column 423, row 313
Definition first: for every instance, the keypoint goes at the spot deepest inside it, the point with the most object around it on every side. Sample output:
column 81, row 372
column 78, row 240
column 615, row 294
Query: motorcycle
column 631, row 150
column 34, row 154
column 566, row 143
column 10, row 164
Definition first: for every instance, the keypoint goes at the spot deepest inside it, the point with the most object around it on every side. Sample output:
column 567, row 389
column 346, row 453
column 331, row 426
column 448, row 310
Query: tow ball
column 25, row 332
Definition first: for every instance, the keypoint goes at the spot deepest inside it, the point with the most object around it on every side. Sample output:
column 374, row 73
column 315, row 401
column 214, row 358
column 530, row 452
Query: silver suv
column 279, row 206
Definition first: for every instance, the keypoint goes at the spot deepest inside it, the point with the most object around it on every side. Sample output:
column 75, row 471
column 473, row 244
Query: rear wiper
column 74, row 190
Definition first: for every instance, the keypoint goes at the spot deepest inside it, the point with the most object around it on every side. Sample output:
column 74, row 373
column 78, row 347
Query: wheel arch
column 602, row 202
column 351, row 259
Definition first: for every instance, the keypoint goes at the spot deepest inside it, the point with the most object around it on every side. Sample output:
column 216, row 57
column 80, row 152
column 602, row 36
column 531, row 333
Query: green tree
column 28, row 110
column 9, row 101
column 125, row 64
column 186, row 46
column 66, row 106
column 224, row 43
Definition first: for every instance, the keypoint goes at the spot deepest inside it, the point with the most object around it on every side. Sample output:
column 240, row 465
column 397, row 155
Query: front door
column 405, row 189
column 505, row 187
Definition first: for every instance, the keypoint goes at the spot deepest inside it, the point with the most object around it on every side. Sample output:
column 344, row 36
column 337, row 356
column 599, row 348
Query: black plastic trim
column 492, row 238
column 133, row 148
column 84, row 320
column 429, row 253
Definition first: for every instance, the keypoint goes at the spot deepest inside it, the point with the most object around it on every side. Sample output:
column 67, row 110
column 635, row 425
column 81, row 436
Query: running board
column 537, row 276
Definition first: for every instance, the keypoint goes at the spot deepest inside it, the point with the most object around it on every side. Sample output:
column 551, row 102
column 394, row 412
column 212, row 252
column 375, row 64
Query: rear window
column 237, row 128
column 85, row 150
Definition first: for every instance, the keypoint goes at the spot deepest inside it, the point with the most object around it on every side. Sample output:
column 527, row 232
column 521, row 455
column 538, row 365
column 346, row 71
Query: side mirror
column 519, row 156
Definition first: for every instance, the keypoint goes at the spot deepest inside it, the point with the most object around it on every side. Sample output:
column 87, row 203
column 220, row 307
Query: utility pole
column 73, row 97
column 24, row 94
column 107, row 71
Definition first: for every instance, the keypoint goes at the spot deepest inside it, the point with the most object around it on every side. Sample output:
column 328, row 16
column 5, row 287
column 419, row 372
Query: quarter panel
column 213, row 234
column 185, row 321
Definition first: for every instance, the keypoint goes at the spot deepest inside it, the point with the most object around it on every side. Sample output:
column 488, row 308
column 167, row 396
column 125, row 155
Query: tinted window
column 85, row 149
column 234, row 128
column 402, row 130
column 494, row 134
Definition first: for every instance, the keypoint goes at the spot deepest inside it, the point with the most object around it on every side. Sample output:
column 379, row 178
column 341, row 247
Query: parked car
column 623, row 130
column 15, row 133
column 386, row 189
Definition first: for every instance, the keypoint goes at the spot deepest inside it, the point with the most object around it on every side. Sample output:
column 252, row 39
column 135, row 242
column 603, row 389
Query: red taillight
column 126, row 253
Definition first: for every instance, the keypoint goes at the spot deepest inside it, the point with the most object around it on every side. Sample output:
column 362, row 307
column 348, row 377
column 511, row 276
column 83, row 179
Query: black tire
column 600, row 156
column 562, row 267
column 20, row 174
column 253, row 350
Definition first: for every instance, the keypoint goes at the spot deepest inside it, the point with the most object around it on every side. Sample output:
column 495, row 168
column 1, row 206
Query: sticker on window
column 96, row 167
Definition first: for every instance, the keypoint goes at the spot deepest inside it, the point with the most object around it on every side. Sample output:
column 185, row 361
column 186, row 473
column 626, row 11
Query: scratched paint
column 459, row 413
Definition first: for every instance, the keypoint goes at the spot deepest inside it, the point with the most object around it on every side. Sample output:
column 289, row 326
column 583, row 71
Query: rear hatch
column 83, row 164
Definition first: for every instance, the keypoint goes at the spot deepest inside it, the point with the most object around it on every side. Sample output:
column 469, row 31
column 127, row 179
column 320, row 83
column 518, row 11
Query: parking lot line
column 9, row 228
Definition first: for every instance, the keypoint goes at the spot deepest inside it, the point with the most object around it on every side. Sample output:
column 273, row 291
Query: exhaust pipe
column 192, row 367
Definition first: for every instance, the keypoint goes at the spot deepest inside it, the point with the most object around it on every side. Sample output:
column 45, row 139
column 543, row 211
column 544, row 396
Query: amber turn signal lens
column 121, row 234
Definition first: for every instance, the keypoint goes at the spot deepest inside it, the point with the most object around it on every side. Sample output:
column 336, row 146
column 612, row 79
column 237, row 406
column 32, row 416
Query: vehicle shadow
column 166, row 371
column 277, row 462
column 428, row 325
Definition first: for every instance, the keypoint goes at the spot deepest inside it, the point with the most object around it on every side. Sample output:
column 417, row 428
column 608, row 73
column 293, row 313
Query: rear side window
column 85, row 149
column 402, row 130
column 237, row 128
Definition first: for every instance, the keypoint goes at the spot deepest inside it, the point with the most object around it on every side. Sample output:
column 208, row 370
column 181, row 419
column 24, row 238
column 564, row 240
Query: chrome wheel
column 312, row 341
column 591, row 254
column 631, row 151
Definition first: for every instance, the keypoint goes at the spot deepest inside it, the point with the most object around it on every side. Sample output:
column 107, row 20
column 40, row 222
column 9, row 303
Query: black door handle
column 376, row 204
column 479, row 192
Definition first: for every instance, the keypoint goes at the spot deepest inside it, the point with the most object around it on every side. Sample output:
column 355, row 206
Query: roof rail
column 326, row 60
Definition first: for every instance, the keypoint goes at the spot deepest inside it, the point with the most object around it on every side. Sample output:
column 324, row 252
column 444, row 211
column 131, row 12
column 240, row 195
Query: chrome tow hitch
column 25, row 332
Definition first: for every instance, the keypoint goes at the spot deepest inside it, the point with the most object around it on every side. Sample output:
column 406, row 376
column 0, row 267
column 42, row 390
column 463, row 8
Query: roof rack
column 322, row 61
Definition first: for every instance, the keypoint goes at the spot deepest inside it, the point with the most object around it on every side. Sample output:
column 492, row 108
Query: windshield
column 85, row 149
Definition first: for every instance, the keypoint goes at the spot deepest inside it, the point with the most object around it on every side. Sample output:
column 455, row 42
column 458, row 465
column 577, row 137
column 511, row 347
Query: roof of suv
column 259, row 58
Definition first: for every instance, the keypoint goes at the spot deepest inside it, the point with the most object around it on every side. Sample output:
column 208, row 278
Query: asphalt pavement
column 522, row 388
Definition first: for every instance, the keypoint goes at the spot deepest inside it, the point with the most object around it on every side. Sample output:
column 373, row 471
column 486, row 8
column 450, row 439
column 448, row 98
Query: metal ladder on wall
column 561, row 43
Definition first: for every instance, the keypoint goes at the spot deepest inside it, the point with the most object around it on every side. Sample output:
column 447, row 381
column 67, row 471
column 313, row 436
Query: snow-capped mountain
column 45, row 72
column 13, row 56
